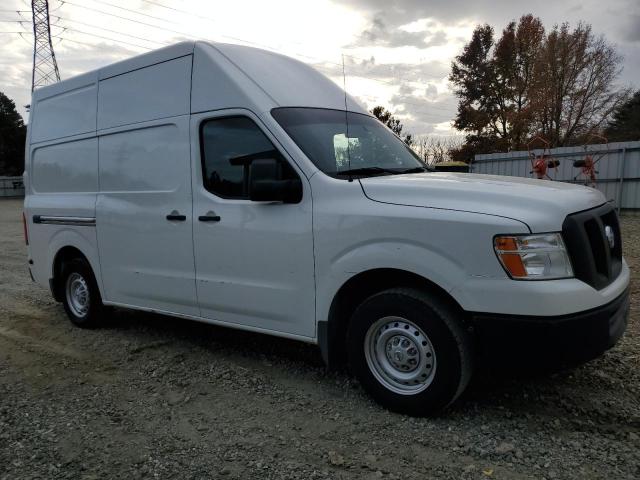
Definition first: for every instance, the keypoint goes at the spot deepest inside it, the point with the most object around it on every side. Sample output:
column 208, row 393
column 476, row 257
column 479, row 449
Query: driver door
column 254, row 260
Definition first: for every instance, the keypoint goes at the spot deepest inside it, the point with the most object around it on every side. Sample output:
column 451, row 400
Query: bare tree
column 575, row 78
column 432, row 149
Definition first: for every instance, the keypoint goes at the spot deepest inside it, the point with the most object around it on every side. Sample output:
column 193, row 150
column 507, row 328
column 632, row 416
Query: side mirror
column 266, row 185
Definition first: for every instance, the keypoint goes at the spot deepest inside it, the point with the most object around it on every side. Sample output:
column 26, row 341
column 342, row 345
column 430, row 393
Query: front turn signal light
column 533, row 257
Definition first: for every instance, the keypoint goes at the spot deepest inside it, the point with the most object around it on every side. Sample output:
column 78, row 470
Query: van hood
column 541, row 204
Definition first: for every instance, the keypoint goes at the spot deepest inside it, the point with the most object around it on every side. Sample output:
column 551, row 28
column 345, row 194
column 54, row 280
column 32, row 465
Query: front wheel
column 410, row 351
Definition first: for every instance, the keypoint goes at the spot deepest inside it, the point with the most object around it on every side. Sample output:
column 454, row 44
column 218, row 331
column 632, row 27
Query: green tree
column 12, row 138
column 625, row 124
column 471, row 74
column 386, row 117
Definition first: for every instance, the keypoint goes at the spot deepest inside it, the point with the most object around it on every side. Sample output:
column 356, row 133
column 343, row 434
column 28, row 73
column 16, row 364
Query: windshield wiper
column 368, row 171
column 380, row 170
column 415, row 170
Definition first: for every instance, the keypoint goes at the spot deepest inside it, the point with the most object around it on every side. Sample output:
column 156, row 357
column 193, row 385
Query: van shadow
column 152, row 327
column 511, row 384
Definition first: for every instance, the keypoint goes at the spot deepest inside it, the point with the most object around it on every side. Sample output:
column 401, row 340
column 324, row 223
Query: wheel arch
column 332, row 332
column 65, row 254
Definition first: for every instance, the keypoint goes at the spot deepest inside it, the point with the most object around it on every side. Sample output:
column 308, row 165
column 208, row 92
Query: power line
column 66, row 39
column 135, row 12
column 101, row 2
column 109, row 30
column 82, row 32
column 165, row 29
column 186, row 34
column 181, row 11
column 64, row 2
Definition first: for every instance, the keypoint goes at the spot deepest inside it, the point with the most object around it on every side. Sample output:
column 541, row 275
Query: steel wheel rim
column 77, row 292
column 400, row 355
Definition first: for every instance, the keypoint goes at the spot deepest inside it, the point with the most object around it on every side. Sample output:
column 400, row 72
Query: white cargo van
column 230, row 185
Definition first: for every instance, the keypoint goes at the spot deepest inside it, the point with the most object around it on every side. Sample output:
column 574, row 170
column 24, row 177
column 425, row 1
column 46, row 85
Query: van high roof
column 188, row 77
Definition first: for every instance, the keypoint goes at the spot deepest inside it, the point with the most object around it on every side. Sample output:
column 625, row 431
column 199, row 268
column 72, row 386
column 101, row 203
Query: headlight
column 533, row 257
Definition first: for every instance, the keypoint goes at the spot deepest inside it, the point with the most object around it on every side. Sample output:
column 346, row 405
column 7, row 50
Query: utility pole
column 45, row 68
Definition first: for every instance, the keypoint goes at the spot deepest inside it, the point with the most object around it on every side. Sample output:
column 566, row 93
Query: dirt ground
column 154, row 397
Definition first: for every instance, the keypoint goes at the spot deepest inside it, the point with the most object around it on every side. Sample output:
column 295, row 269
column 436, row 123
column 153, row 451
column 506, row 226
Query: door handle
column 209, row 218
column 176, row 217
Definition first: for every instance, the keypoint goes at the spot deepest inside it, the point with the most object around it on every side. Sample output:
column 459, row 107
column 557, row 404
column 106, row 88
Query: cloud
column 630, row 28
column 416, row 106
column 402, row 49
column 396, row 73
column 379, row 34
column 619, row 20
column 435, row 23
column 416, row 92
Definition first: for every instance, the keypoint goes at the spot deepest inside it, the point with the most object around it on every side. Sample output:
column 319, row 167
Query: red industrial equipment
column 540, row 164
column 587, row 165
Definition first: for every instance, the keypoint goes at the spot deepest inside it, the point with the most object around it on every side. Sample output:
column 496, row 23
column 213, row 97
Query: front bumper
column 546, row 298
column 566, row 338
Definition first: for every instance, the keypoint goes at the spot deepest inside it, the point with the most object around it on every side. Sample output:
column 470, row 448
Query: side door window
column 228, row 147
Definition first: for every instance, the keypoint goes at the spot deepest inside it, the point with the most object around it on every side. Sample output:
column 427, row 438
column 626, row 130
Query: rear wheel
column 410, row 351
column 81, row 297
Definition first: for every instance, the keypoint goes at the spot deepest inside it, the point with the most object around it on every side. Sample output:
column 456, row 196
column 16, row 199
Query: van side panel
column 63, row 112
column 66, row 167
column 63, row 181
column 147, row 259
column 145, row 176
column 157, row 91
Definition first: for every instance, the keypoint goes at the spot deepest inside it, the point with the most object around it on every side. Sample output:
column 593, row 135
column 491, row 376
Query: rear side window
column 225, row 139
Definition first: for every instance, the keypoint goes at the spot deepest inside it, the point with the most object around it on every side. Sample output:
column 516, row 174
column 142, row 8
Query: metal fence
column 11, row 187
column 618, row 176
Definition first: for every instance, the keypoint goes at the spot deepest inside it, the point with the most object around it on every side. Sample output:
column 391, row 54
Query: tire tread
column 451, row 321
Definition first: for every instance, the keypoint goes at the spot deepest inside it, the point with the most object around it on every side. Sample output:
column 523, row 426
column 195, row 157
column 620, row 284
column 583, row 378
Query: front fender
column 438, row 267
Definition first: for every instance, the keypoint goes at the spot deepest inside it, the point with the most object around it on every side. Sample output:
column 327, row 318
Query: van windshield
column 370, row 149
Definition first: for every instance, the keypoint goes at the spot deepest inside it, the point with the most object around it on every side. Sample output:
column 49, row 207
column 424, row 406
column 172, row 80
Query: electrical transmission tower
column 45, row 68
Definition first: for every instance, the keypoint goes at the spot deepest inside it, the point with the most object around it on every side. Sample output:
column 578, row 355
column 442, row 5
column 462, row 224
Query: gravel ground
column 155, row 397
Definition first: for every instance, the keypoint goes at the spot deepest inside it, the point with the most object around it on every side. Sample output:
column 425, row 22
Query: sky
column 397, row 53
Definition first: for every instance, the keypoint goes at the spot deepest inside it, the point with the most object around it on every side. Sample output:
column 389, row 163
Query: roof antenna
column 346, row 118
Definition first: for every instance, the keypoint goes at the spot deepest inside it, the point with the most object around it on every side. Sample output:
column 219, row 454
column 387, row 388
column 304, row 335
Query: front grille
column 593, row 260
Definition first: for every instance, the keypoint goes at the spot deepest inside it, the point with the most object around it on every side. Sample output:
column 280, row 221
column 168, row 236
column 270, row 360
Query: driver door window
column 226, row 139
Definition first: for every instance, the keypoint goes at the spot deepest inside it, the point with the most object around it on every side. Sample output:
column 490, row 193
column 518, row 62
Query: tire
column 80, row 294
column 553, row 163
column 578, row 163
column 410, row 351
